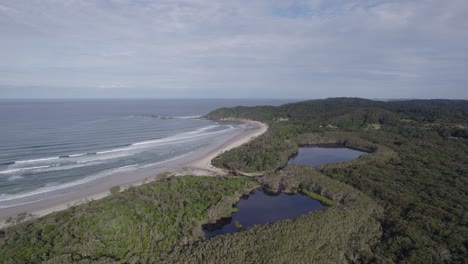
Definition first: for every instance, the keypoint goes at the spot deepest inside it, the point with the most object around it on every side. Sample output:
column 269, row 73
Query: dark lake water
column 315, row 156
column 260, row 207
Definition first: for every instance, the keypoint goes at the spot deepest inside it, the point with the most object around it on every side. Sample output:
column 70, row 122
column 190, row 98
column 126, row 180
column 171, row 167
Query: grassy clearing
column 319, row 197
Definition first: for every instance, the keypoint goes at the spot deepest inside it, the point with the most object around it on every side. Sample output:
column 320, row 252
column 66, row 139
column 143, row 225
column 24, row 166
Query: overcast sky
column 234, row 49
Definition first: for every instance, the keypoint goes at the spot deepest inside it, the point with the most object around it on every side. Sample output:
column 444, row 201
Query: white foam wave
column 180, row 137
column 23, row 169
column 128, row 167
column 105, row 158
column 77, row 155
column 54, row 187
column 14, row 178
column 36, row 160
column 188, row 117
column 45, row 189
column 56, row 167
column 112, row 150
column 4, row 198
column 69, row 167
column 208, row 127
column 203, row 129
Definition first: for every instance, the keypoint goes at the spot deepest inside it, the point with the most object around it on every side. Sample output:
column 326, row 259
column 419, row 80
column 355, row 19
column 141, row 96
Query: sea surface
column 46, row 145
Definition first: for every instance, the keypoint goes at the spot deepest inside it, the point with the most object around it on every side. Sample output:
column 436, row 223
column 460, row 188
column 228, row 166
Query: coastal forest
column 417, row 170
column 403, row 202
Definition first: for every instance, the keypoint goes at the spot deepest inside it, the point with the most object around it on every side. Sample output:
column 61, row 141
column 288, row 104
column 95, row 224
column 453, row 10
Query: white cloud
column 178, row 48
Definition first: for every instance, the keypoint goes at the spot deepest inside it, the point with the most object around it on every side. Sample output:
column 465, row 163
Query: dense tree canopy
column 418, row 168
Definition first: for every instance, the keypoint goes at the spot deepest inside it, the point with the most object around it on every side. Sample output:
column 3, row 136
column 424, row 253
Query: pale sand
column 203, row 166
column 197, row 163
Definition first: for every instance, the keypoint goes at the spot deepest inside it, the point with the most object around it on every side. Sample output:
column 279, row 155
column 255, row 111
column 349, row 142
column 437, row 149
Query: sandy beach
column 202, row 166
column 194, row 163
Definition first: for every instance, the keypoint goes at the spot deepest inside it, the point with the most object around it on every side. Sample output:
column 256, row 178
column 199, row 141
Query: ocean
column 48, row 145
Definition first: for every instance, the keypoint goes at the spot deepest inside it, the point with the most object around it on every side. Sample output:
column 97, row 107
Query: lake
column 315, row 156
column 260, row 207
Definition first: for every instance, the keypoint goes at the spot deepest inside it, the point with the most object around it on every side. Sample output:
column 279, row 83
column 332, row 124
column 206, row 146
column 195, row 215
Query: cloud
column 201, row 48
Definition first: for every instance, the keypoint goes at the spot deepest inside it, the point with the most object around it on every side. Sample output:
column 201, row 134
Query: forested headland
column 403, row 202
column 417, row 169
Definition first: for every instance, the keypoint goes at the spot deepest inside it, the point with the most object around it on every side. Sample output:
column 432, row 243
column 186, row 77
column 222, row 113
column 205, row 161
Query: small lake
column 315, row 156
column 260, row 207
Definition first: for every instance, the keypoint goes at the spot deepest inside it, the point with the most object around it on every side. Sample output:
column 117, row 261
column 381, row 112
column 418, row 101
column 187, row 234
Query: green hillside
column 418, row 169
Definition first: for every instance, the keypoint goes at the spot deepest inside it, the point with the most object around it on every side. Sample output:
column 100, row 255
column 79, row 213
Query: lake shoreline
column 193, row 163
column 256, row 207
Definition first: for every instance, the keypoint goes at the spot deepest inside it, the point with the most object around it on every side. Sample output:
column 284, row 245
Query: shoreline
column 203, row 165
column 197, row 163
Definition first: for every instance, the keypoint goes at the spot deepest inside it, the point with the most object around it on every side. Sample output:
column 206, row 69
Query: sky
column 233, row 49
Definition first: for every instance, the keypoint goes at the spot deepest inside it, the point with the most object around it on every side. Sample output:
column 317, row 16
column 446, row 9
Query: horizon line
column 221, row 98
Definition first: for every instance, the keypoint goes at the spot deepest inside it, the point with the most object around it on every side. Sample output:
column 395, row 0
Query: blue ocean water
column 50, row 144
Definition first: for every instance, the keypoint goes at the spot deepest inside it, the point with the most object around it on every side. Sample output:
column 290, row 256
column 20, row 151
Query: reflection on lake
column 315, row 156
column 260, row 207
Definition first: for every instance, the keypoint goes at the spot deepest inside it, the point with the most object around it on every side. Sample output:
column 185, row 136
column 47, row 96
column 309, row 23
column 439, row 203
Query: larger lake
column 315, row 156
column 261, row 207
